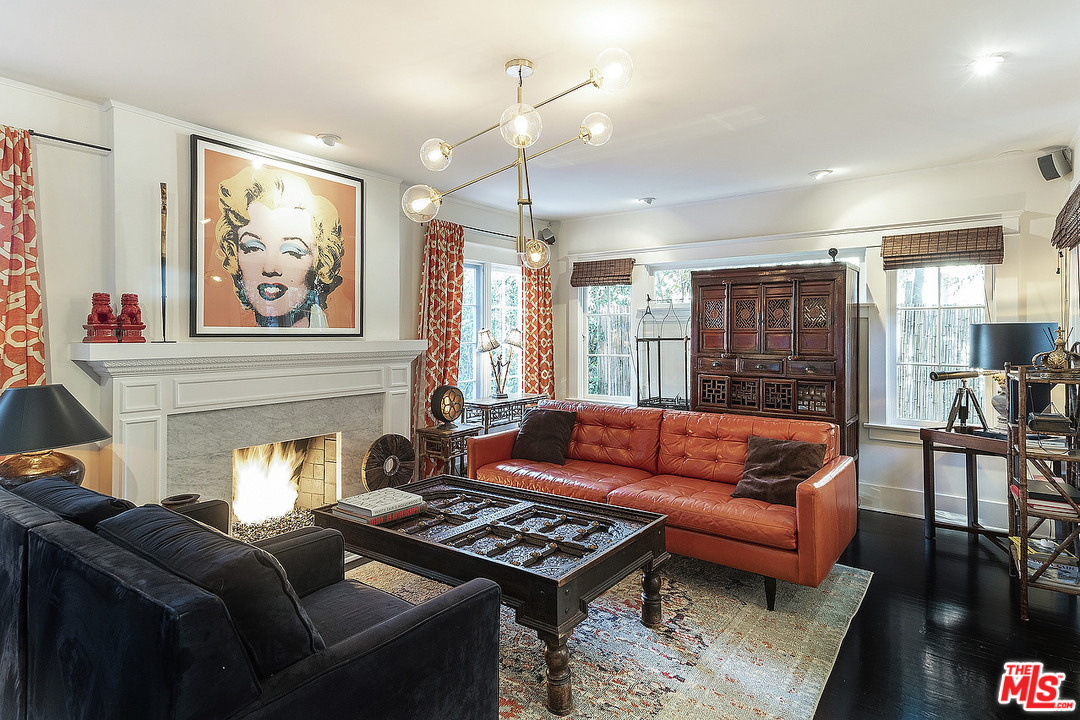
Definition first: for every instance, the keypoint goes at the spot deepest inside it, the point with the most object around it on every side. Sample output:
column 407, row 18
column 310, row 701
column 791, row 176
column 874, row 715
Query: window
column 672, row 285
column 491, row 299
column 607, row 342
column 935, row 307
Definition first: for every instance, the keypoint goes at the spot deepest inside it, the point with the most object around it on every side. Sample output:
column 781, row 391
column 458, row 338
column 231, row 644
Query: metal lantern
column 663, row 359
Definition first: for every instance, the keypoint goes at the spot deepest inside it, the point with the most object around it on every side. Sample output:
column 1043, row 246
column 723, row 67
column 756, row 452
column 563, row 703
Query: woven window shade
column 1067, row 229
column 602, row 272
column 971, row 246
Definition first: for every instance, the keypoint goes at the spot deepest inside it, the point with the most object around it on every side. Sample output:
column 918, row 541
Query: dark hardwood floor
column 937, row 625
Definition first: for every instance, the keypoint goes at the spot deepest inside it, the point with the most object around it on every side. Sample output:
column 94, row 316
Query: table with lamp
column 501, row 408
column 992, row 346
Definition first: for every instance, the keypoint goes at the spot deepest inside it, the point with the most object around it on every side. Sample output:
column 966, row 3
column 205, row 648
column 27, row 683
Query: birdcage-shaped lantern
column 663, row 357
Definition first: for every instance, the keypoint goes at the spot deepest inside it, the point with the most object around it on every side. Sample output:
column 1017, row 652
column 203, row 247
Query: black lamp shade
column 994, row 344
column 43, row 417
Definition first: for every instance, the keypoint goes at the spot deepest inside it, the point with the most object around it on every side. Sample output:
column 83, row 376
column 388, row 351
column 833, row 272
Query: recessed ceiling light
column 818, row 174
column 329, row 139
column 986, row 64
column 645, row 200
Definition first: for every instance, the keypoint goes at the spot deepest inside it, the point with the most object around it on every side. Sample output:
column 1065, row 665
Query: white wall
column 851, row 216
column 98, row 215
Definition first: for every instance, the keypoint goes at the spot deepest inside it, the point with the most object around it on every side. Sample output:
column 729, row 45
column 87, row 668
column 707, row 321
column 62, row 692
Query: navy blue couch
column 109, row 611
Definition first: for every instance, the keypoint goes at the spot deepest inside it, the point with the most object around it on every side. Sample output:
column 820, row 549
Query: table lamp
column 994, row 344
column 33, row 422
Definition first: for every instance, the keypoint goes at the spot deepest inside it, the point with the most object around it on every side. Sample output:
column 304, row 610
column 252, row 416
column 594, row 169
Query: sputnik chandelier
column 520, row 126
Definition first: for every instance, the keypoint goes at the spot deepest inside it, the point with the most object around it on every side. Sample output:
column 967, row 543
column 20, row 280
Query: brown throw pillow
column 774, row 468
column 544, row 436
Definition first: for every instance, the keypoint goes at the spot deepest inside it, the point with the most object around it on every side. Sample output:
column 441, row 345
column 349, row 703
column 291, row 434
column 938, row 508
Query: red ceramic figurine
column 100, row 323
column 130, row 321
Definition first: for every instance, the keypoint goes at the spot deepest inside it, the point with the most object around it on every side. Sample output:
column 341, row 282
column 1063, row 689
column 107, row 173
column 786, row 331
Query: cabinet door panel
column 816, row 319
column 778, row 318
column 745, row 318
column 712, row 319
column 712, row 391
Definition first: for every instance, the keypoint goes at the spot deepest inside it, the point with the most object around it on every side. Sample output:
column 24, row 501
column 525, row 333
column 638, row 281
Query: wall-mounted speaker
column 546, row 235
column 1055, row 164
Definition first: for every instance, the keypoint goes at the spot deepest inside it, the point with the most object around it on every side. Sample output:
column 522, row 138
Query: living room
column 100, row 222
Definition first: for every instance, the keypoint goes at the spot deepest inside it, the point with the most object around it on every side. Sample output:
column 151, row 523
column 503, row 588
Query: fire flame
column 264, row 481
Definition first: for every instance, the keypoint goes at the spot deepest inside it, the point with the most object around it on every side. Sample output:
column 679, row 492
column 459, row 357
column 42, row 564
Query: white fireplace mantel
column 145, row 383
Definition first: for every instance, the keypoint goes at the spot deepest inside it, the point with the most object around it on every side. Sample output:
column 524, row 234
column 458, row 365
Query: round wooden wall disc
column 389, row 462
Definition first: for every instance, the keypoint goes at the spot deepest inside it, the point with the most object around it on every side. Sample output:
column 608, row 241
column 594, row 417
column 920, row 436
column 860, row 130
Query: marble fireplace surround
column 173, row 408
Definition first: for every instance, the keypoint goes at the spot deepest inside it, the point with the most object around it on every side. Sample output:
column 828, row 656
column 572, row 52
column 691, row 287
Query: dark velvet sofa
column 109, row 611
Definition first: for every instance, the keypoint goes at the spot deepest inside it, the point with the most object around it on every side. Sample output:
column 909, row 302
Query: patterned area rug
column 721, row 654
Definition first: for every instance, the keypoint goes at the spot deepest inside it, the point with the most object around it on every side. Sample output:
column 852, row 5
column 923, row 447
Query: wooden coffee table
column 551, row 555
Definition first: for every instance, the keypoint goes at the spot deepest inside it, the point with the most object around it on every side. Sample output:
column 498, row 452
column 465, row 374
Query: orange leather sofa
column 686, row 465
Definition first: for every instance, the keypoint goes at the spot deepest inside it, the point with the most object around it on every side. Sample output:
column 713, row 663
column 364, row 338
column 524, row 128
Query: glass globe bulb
column 536, row 255
column 520, row 125
column 614, row 68
column 596, row 129
column 420, row 203
column 436, row 154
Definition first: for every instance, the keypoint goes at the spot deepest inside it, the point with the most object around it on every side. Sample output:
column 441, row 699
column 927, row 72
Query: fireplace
column 178, row 410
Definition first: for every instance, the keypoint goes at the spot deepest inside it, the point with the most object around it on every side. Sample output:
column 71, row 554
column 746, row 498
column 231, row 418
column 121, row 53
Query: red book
column 383, row 518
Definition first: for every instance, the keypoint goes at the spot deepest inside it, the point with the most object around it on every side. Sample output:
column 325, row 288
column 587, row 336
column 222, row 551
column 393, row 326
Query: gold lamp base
column 23, row 468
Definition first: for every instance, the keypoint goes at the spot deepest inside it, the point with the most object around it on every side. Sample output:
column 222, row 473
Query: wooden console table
column 489, row 411
column 445, row 443
column 971, row 446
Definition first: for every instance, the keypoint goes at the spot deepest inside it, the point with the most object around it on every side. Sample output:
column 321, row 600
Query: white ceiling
column 728, row 96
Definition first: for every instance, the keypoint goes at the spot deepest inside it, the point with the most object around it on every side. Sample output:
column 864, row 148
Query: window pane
column 964, row 285
column 672, row 285
column 917, row 287
column 915, row 335
column 607, row 341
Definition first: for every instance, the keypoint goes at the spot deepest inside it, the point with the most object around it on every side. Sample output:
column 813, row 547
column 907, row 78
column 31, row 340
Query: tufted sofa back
column 712, row 446
column 626, row 436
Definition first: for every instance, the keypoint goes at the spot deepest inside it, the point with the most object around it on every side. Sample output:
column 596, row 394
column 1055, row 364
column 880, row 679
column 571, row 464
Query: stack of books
column 1063, row 571
column 380, row 506
column 1044, row 497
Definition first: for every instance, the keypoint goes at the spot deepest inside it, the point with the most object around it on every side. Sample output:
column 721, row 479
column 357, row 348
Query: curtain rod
column 34, row 133
column 487, row 232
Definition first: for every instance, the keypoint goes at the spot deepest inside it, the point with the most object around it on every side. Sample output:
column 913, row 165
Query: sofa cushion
column 269, row 618
column 774, row 468
column 712, row 446
column 577, row 478
column 544, row 436
column 72, row 502
column 349, row 607
column 707, row 507
column 613, row 434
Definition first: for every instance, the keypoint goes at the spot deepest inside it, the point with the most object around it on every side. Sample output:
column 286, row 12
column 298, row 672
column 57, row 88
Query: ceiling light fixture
column 819, row 174
column 987, row 63
column 645, row 200
column 520, row 126
column 329, row 139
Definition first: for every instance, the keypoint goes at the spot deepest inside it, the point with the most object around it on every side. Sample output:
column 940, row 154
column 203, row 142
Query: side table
column 489, row 411
column 971, row 446
column 445, row 443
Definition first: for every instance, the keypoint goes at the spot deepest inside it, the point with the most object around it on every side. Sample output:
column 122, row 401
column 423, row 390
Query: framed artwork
column 277, row 247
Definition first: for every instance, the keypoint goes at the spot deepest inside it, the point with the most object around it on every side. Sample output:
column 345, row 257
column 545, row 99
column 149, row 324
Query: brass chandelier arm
column 504, row 168
column 475, row 135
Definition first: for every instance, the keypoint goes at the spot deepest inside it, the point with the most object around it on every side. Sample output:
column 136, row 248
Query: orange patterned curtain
column 20, row 295
column 440, row 314
column 539, row 350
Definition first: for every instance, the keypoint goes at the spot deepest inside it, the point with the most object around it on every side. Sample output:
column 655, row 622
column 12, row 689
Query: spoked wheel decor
column 389, row 462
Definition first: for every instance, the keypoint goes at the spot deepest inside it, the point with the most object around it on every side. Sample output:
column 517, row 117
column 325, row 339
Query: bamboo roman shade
column 602, row 272
column 1067, row 228
column 970, row 246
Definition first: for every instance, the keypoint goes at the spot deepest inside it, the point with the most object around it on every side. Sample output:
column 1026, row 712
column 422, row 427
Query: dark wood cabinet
column 779, row 341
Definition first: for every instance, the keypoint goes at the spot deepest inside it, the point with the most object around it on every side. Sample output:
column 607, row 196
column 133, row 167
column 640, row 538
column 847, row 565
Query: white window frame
column 482, row 367
column 583, row 378
column 892, row 399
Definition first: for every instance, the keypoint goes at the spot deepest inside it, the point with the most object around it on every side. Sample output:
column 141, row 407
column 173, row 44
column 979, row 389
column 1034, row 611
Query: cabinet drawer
column 760, row 365
column 714, row 364
column 827, row 368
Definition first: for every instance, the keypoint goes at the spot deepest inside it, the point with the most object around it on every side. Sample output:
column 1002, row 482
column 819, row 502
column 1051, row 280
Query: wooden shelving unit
column 1037, row 452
